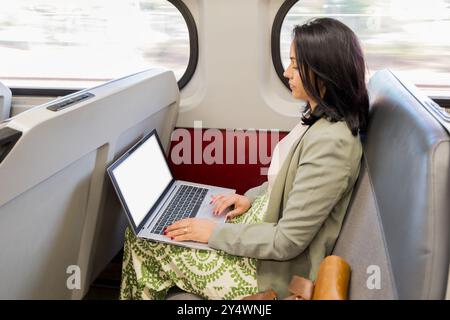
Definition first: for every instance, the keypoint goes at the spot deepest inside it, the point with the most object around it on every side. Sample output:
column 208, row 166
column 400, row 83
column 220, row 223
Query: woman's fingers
column 174, row 233
column 225, row 204
column 216, row 197
column 180, row 228
column 221, row 197
column 178, row 225
column 183, row 237
column 219, row 202
column 193, row 229
column 233, row 213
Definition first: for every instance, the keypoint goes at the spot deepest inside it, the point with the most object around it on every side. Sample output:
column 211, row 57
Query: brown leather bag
column 332, row 279
column 331, row 283
column 300, row 289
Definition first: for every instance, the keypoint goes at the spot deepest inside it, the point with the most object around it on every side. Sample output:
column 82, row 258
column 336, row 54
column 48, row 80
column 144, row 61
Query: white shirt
column 281, row 151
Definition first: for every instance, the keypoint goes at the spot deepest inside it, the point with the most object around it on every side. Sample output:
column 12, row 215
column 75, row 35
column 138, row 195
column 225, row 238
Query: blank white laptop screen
column 142, row 178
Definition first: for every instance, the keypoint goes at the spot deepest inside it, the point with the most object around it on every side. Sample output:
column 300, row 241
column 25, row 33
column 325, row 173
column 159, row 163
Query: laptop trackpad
column 206, row 211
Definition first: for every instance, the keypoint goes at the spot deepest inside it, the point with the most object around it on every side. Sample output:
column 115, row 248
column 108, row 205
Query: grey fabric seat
column 396, row 233
column 398, row 222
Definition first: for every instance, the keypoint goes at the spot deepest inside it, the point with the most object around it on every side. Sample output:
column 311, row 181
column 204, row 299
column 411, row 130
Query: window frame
column 193, row 42
column 182, row 82
column 275, row 39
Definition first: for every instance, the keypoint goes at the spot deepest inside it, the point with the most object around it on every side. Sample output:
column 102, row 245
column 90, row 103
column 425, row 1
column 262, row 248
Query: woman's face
column 292, row 73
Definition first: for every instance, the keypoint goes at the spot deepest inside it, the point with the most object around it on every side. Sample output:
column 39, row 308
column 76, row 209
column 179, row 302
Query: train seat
column 58, row 210
column 396, row 232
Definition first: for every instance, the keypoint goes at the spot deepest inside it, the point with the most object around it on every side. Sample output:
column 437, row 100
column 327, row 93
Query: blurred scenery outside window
column 409, row 37
column 77, row 44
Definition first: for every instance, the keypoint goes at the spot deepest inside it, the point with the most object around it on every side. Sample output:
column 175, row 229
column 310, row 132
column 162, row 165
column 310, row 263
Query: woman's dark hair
column 329, row 52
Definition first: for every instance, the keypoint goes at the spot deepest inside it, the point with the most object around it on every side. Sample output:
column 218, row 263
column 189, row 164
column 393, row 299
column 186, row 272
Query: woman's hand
column 221, row 202
column 191, row 229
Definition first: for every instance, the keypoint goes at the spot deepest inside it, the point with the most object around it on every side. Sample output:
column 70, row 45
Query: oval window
column 407, row 37
column 77, row 44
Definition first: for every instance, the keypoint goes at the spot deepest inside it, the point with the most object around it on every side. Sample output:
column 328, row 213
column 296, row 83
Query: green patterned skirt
column 150, row 269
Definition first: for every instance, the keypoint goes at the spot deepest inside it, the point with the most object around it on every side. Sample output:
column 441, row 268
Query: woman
column 287, row 225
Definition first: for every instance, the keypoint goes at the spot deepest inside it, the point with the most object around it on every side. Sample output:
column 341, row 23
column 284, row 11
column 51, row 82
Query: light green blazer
column 306, row 208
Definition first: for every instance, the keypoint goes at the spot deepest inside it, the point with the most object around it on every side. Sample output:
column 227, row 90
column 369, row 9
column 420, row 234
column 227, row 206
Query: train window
column 408, row 37
column 77, row 44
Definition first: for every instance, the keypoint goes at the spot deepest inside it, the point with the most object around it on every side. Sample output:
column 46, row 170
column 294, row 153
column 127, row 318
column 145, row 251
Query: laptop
column 152, row 199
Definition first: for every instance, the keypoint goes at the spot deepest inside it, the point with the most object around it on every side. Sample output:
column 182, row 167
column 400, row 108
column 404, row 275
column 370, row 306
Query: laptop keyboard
column 184, row 204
